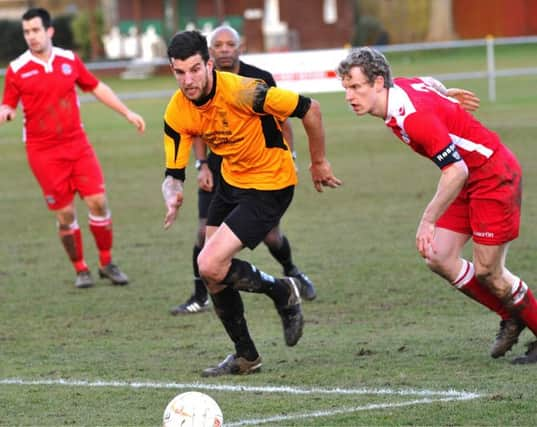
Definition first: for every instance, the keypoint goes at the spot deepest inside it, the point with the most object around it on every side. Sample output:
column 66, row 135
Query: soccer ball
column 192, row 409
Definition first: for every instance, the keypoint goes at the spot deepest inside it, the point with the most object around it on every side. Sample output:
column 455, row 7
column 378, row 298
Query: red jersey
column 48, row 95
column 436, row 126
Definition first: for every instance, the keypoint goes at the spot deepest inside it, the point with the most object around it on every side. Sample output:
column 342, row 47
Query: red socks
column 72, row 242
column 467, row 283
column 525, row 305
column 101, row 228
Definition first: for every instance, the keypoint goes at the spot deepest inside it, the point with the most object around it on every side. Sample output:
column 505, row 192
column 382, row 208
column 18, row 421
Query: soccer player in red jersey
column 44, row 80
column 478, row 194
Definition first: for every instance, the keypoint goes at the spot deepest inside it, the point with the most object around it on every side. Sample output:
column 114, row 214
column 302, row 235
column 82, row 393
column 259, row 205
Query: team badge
column 66, row 69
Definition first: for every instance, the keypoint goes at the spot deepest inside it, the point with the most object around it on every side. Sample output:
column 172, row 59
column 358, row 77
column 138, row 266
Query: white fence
column 314, row 70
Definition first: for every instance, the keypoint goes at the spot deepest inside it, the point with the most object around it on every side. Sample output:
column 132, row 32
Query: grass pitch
column 385, row 343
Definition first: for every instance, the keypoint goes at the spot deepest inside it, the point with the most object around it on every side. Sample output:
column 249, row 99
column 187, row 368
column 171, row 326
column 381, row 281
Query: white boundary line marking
column 318, row 414
column 428, row 395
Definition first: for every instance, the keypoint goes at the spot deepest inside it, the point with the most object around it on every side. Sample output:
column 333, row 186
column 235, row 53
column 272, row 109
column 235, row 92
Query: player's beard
column 204, row 89
column 40, row 49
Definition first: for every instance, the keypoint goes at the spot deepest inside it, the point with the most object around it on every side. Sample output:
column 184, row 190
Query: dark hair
column 372, row 63
column 38, row 12
column 185, row 44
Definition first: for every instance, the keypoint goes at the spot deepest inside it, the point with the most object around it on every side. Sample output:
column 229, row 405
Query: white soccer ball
column 192, row 409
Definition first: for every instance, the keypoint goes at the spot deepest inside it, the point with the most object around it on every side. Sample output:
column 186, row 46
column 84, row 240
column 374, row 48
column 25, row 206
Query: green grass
column 381, row 321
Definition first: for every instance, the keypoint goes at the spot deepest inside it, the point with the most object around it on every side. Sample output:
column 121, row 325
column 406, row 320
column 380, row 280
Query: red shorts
column 488, row 207
column 65, row 168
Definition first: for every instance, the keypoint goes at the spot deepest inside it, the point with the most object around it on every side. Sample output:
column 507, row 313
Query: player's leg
column 256, row 213
column 71, row 238
column 228, row 305
column 199, row 300
column 280, row 248
column 517, row 296
column 447, row 262
column 239, row 218
column 88, row 180
column 100, row 225
column 495, row 221
column 53, row 171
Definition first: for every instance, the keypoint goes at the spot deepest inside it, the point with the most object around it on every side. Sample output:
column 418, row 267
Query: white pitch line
column 443, row 395
column 319, row 414
column 243, row 388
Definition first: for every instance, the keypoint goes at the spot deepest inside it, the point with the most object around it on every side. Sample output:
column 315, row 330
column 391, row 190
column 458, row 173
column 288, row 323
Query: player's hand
column 322, row 176
column 136, row 120
column 205, row 178
column 172, row 191
column 468, row 100
column 6, row 114
column 172, row 210
column 424, row 238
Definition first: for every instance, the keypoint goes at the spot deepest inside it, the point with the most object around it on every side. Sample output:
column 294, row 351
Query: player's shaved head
column 221, row 29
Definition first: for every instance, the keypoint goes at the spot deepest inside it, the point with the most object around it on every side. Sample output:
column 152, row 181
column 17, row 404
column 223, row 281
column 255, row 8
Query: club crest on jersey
column 67, row 69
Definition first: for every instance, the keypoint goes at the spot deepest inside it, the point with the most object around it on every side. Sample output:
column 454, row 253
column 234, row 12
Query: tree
column 441, row 21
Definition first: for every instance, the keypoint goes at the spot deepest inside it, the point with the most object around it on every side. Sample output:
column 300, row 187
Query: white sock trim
column 466, row 274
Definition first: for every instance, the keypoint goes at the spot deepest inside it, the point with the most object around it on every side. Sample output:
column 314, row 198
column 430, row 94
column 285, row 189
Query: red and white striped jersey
column 48, row 95
column 431, row 124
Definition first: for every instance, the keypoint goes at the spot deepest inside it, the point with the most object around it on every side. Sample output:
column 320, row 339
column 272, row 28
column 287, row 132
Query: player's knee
column 437, row 264
column 208, row 269
column 97, row 205
column 65, row 218
column 274, row 239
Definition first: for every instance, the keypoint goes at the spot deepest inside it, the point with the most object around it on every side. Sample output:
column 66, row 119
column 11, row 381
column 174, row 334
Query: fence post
column 491, row 68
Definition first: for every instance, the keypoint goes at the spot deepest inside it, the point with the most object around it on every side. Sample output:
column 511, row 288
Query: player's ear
column 378, row 83
column 210, row 65
column 50, row 31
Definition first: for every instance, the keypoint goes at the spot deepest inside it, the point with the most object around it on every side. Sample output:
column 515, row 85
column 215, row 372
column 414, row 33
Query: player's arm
column 172, row 191
column 282, row 103
column 430, row 133
column 468, row 100
column 287, row 131
column 107, row 96
column 320, row 169
column 205, row 176
column 6, row 113
column 451, row 182
column 10, row 100
column 177, row 148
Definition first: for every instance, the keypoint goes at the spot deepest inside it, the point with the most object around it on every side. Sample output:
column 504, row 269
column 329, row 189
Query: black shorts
column 204, row 197
column 249, row 213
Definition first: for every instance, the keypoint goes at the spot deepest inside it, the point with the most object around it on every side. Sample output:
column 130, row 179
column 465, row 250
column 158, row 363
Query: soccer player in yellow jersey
column 225, row 48
column 256, row 185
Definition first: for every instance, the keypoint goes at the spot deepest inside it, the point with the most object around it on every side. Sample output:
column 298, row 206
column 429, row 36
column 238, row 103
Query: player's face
column 38, row 39
column 363, row 96
column 225, row 51
column 193, row 76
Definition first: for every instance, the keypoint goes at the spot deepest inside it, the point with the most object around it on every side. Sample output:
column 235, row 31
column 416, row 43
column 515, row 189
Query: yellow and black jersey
column 240, row 121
